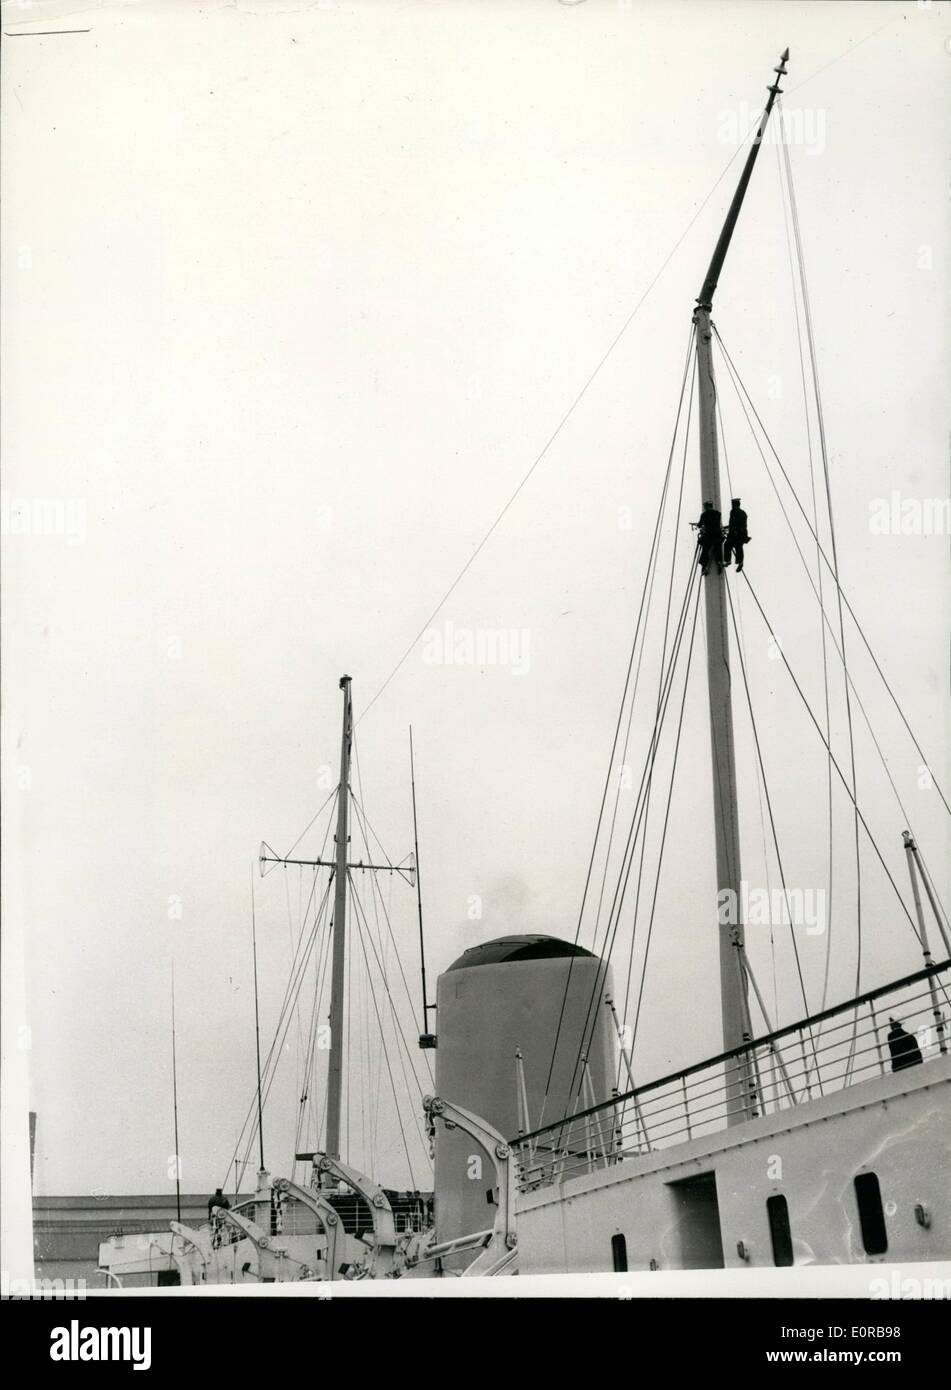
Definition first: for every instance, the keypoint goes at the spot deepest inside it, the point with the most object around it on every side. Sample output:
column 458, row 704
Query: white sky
column 294, row 296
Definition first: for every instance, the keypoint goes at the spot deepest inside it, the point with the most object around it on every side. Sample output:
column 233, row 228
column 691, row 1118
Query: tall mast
column 335, row 1080
column 733, row 989
column 426, row 1039
column 178, row 1152
column 257, row 1030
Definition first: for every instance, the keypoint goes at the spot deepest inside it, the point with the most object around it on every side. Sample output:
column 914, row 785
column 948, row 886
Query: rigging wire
column 386, row 1056
column 562, row 422
column 670, row 589
column 279, row 1040
column 663, row 838
column 623, row 881
column 820, row 420
column 292, row 987
column 643, row 608
column 617, row 729
column 313, row 821
column 660, row 677
column 377, row 894
column 274, row 1054
column 842, row 777
column 270, row 1071
column 305, row 1112
column 290, row 935
column 737, row 384
column 819, row 577
column 769, row 805
column 741, row 642
column 845, row 599
column 397, row 1025
column 346, row 1058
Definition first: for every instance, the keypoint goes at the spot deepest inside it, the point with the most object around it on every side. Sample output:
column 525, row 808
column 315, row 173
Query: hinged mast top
column 705, row 297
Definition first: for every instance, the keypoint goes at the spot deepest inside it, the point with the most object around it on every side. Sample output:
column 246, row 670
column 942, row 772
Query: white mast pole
column 335, row 1078
column 733, row 989
column 734, row 1003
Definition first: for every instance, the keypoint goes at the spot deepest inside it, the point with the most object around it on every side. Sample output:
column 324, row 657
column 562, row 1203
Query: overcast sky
column 295, row 294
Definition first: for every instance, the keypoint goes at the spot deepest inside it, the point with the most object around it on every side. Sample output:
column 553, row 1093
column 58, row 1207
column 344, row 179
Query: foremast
column 737, row 1029
column 340, row 867
column 335, row 1075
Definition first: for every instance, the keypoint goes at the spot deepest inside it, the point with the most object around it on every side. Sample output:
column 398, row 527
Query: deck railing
column 818, row 1056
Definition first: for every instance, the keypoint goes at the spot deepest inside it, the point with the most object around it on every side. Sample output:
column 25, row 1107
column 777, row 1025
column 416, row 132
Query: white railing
column 821, row 1055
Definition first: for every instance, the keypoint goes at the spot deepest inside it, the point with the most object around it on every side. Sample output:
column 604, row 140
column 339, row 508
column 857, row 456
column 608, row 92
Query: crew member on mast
column 736, row 535
column 709, row 538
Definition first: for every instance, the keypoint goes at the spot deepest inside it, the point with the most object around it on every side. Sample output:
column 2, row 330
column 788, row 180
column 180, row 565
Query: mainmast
column 335, row 1079
column 733, row 990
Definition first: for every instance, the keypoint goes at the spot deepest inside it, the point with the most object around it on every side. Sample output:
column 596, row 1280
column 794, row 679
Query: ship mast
column 335, row 1078
column 733, row 986
column 340, row 868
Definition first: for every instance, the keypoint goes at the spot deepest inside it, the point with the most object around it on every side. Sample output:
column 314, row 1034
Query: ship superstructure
column 824, row 1140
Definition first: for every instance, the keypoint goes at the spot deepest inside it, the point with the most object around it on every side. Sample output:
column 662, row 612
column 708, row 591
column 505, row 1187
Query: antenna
column 426, row 1039
column 178, row 1177
column 257, row 1025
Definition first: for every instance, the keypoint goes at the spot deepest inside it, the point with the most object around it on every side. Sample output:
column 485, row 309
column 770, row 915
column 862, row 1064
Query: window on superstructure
column 619, row 1254
column 777, row 1209
column 868, row 1194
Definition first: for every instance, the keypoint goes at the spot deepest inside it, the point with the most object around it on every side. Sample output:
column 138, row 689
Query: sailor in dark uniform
column 218, row 1200
column 709, row 538
column 736, row 535
column 902, row 1046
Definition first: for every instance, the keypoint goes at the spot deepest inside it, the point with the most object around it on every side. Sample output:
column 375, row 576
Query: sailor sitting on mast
column 736, row 535
column 709, row 538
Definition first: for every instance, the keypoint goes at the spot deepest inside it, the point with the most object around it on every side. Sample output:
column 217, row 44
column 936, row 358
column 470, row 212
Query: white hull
column 897, row 1126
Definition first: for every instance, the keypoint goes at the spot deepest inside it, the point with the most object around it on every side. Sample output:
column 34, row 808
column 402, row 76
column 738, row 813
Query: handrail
column 735, row 1053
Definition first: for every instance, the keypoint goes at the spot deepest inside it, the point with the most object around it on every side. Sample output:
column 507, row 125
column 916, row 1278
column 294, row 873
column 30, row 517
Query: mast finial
column 780, row 73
